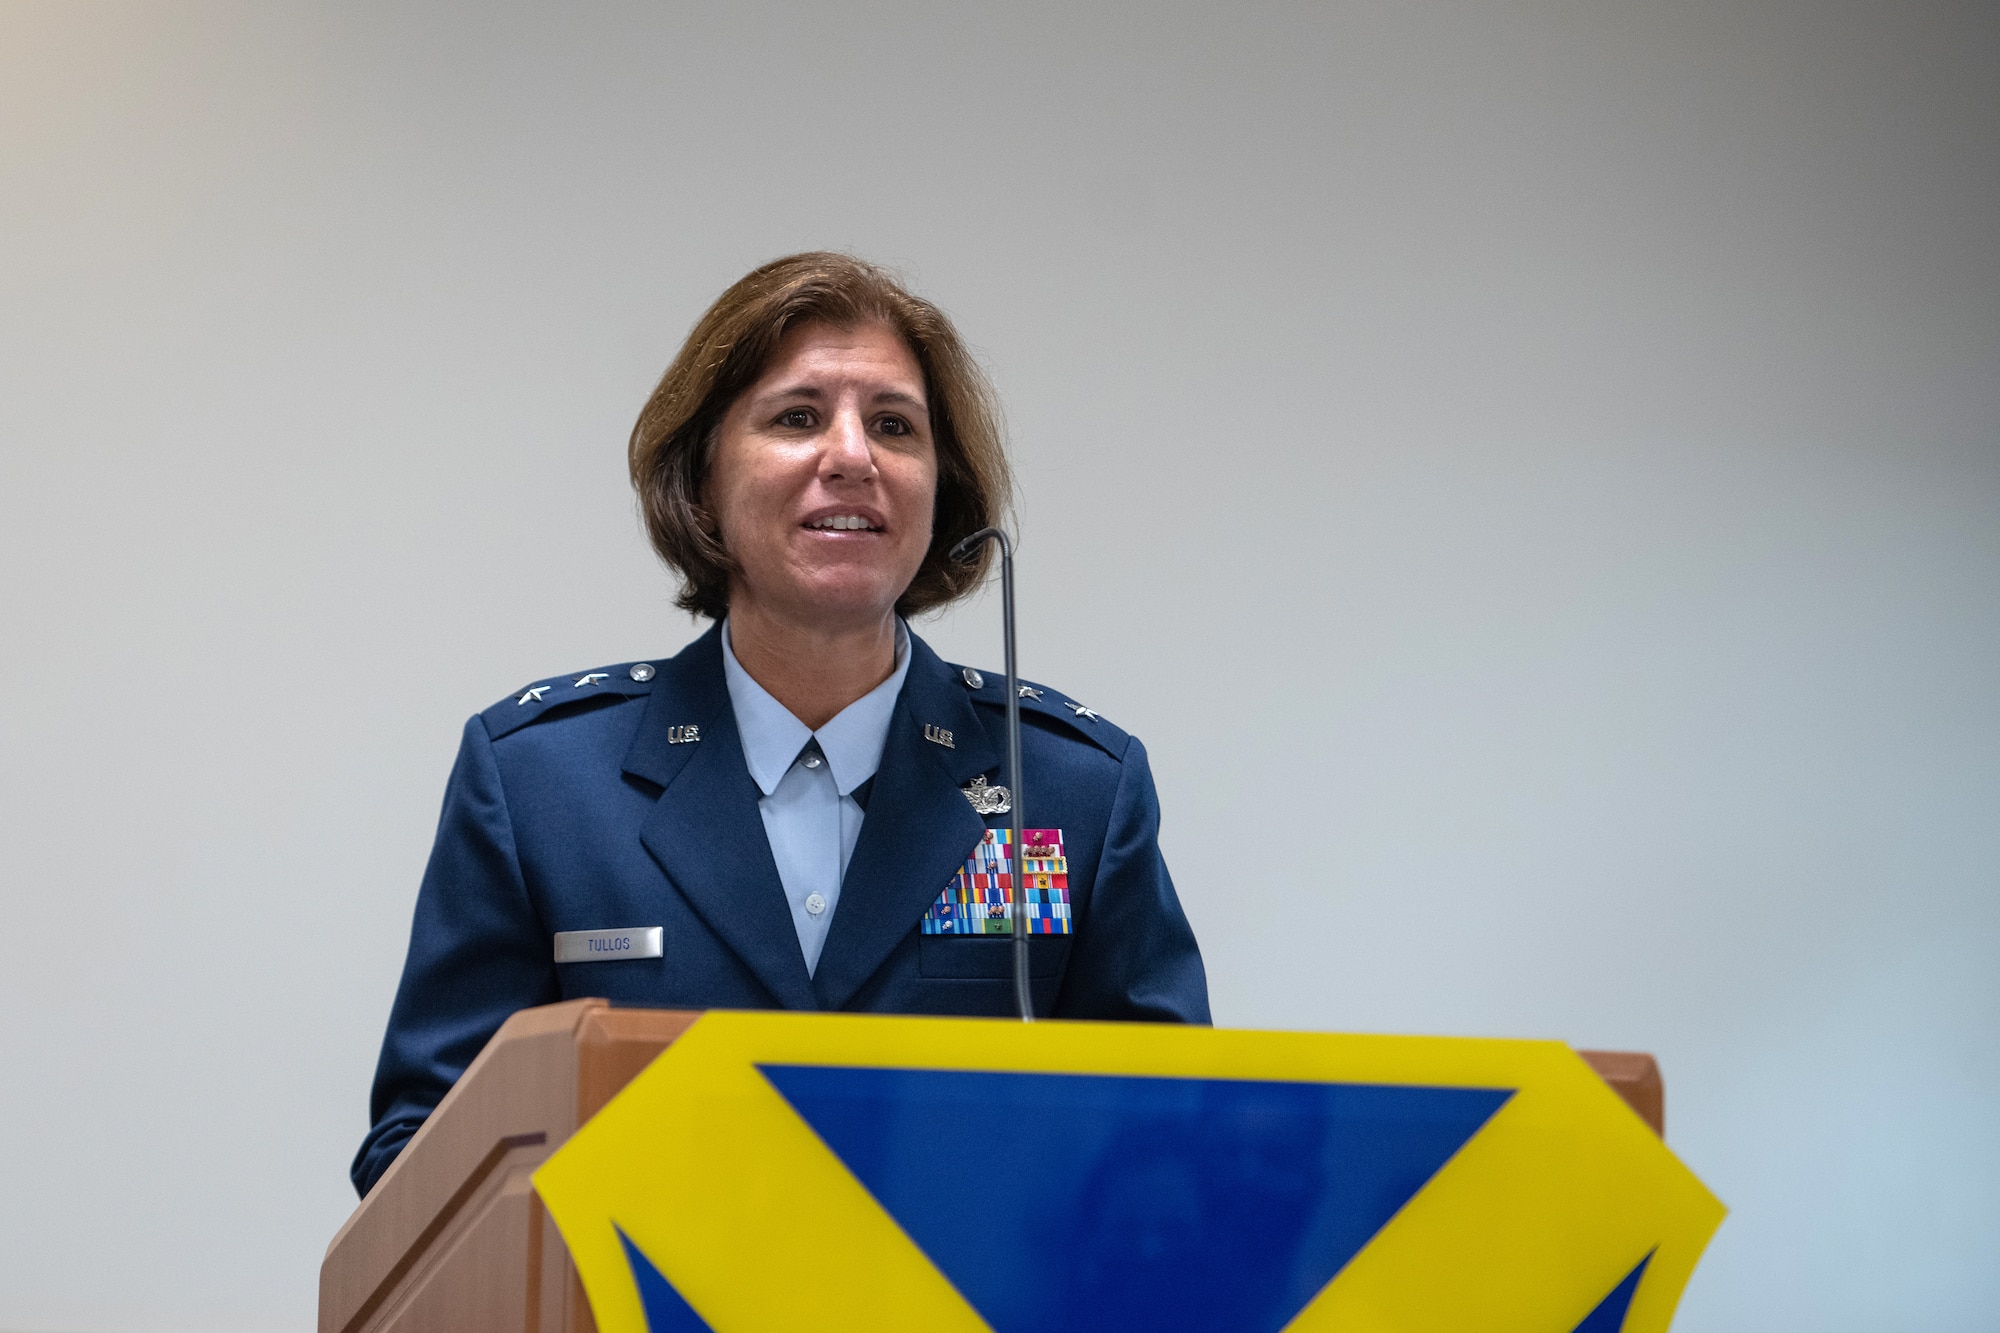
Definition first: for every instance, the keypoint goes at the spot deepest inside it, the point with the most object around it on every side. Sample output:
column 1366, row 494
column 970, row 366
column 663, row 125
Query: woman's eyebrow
column 792, row 391
column 817, row 394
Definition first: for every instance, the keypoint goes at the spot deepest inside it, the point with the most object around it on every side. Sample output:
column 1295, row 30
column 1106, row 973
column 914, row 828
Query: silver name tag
column 608, row 946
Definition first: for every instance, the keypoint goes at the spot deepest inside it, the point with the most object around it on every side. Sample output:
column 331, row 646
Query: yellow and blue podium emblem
column 784, row 1170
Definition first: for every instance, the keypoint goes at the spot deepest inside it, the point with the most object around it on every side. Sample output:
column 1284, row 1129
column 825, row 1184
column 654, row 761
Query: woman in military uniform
column 801, row 809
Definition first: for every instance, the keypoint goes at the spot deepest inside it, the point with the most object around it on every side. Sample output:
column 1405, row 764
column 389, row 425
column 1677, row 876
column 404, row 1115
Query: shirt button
column 810, row 761
column 815, row 904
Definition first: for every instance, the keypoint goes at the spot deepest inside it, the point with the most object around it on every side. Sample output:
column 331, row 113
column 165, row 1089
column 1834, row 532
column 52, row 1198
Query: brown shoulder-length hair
column 731, row 347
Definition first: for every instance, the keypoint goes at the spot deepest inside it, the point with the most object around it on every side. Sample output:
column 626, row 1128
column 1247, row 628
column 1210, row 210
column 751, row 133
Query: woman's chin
column 841, row 602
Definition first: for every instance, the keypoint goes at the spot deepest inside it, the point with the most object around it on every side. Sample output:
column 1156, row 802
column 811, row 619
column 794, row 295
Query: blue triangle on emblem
column 1061, row 1202
column 1609, row 1316
column 667, row 1311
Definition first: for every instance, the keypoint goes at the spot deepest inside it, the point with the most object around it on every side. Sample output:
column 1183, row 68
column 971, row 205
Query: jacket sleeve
column 478, row 952
column 1135, row 955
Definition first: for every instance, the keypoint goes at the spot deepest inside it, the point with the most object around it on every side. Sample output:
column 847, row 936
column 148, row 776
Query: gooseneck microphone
column 963, row 554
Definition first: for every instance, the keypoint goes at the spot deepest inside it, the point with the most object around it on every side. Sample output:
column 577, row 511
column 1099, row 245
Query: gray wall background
column 1531, row 473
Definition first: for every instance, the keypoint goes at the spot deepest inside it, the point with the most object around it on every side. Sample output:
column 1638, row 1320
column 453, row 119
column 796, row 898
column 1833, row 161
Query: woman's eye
column 796, row 419
column 893, row 426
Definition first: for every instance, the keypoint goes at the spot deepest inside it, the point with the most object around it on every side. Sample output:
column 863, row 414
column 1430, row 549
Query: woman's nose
column 847, row 451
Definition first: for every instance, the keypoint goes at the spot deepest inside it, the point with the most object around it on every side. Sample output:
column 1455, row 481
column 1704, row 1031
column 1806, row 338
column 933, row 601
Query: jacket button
column 972, row 678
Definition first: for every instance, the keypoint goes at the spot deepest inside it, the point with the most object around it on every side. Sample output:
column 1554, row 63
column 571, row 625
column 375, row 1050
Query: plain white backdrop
column 1530, row 473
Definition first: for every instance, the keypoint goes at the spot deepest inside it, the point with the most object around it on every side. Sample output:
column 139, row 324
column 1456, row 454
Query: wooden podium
column 452, row 1236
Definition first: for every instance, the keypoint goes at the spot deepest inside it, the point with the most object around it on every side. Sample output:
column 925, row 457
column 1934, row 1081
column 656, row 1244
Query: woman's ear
column 705, row 520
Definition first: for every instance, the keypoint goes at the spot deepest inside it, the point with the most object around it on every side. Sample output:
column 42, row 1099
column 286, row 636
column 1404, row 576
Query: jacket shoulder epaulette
column 559, row 694
column 990, row 688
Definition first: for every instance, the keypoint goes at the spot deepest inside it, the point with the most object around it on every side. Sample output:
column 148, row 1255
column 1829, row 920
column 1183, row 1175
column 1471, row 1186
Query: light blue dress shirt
column 808, row 779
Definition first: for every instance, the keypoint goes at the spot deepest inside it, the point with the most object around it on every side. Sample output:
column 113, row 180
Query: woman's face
column 824, row 478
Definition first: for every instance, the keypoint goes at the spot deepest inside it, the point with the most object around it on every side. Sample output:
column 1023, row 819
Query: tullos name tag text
column 609, row 946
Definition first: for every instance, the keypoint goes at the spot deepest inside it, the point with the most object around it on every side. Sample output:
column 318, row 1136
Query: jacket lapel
column 917, row 832
column 705, row 831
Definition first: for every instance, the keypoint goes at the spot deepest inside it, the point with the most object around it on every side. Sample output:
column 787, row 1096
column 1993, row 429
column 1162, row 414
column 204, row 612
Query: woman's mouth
column 842, row 523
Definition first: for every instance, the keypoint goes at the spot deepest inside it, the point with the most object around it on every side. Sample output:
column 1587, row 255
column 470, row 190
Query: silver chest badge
column 609, row 946
column 988, row 800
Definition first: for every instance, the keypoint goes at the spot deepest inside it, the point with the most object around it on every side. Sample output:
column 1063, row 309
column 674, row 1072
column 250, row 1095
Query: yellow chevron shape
column 735, row 1199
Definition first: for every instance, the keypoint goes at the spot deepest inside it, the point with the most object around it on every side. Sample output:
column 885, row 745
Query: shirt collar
column 772, row 738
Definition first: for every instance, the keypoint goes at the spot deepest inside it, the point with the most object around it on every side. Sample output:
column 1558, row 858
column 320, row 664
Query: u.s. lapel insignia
column 683, row 735
column 937, row 735
column 988, row 800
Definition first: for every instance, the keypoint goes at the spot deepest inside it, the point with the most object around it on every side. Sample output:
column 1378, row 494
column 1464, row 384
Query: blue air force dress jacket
column 620, row 798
